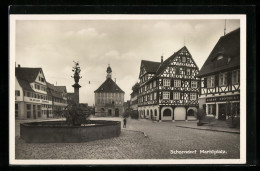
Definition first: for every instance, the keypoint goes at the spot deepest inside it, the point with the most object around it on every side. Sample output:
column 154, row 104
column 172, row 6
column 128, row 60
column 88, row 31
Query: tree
column 200, row 115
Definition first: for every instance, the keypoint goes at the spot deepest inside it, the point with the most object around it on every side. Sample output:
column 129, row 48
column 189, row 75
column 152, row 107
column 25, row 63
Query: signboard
column 223, row 98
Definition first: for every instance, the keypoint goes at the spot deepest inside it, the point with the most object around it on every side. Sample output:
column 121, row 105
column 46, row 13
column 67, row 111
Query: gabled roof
column 25, row 76
column 55, row 91
column 228, row 45
column 109, row 86
column 25, row 85
column 150, row 66
column 61, row 88
column 168, row 61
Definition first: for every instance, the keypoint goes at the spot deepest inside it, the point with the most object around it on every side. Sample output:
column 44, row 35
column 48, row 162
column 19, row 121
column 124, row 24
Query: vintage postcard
column 127, row 89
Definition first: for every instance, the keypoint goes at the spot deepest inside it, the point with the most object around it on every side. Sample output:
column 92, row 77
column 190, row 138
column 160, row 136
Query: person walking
column 124, row 126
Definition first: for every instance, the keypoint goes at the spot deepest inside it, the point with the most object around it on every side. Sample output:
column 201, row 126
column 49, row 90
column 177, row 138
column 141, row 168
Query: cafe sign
column 223, row 98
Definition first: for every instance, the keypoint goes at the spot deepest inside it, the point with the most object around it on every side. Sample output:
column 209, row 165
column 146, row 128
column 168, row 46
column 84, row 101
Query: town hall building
column 109, row 98
column 169, row 89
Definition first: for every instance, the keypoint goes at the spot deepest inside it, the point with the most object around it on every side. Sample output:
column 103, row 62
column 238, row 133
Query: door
column 109, row 112
column 34, row 111
column 117, row 112
column 179, row 113
column 222, row 112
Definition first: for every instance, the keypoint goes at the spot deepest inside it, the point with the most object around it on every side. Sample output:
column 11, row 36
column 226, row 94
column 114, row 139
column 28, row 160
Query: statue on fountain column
column 76, row 69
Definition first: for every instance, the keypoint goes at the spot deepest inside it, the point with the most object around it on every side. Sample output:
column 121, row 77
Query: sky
column 53, row 45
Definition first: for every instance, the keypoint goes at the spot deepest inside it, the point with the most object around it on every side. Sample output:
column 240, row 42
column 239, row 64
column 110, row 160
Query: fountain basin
column 61, row 132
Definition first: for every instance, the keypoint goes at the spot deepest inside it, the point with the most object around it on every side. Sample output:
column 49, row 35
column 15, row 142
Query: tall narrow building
column 109, row 98
column 169, row 89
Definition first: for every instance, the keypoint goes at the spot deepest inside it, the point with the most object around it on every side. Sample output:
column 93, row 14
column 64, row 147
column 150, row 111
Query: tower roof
column 109, row 70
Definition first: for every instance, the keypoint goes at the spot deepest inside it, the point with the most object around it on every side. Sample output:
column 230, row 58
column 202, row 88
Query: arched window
column 155, row 112
column 147, row 112
column 167, row 112
column 191, row 112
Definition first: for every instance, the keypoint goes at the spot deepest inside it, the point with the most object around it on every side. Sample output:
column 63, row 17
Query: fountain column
column 76, row 76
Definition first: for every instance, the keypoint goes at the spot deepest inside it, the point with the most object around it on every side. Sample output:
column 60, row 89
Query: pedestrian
column 124, row 126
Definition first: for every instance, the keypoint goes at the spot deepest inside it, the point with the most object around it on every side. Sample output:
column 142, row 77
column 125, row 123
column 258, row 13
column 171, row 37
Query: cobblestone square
column 141, row 139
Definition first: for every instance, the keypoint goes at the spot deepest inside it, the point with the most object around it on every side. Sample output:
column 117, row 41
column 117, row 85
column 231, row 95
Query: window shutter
column 172, row 82
column 205, row 82
column 229, row 78
column 216, row 79
column 171, row 95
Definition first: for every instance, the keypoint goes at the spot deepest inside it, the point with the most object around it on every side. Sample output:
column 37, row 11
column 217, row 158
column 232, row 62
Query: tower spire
column 109, row 71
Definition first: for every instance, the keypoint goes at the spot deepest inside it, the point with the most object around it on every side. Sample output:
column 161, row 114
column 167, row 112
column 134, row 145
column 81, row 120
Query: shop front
column 223, row 107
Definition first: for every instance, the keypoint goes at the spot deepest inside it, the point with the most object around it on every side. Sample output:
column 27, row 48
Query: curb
column 234, row 132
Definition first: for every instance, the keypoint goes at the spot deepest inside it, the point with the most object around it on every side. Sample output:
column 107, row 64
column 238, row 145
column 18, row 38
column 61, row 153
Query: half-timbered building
column 220, row 78
column 169, row 89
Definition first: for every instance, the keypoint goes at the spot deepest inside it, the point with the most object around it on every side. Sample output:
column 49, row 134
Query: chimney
column 19, row 65
column 115, row 80
column 161, row 59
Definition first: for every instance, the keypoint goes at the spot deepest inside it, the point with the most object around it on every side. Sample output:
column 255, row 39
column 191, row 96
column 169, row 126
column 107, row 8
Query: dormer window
column 221, row 60
column 220, row 57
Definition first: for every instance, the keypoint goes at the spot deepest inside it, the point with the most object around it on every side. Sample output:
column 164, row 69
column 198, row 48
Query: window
column 166, row 82
column 42, row 79
column 193, row 96
column 28, row 106
column 183, row 59
column 220, row 61
column 235, row 77
column 176, row 95
column 17, row 92
column 151, row 96
column 220, row 57
column 166, row 95
column 194, row 84
column 211, row 81
column 188, row 60
column 16, row 110
column 28, row 94
column 177, row 83
column 154, row 83
column 188, row 71
column 34, row 95
column 39, row 78
column 212, row 109
column 154, row 95
column 223, row 79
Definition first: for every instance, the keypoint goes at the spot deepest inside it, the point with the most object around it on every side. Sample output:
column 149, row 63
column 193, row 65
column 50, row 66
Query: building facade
column 58, row 96
column 220, row 78
column 134, row 97
column 169, row 89
column 31, row 98
column 109, row 98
